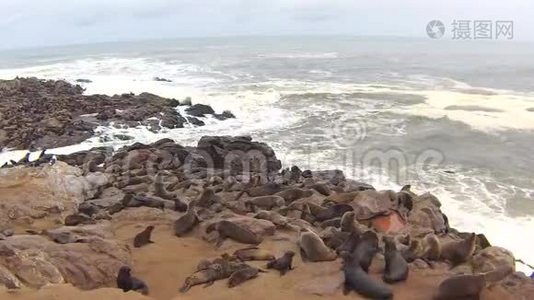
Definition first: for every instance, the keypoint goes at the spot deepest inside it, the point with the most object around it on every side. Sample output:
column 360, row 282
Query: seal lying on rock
column 127, row 282
column 357, row 280
column 253, row 253
column 458, row 252
column 276, row 218
column 227, row 229
column 265, row 202
column 270, row 188
column 334, row 211
column 187, row 222
column 469, row 286
column 143, row 238
column 282, row 264
column 313, row 248
column 396, row 267
column 294, row 194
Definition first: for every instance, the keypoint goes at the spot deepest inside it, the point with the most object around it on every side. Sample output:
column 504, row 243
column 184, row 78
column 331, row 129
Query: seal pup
column 143, row 238
column 127, row 282
column 396, row 267
column 458, row 252
column 227, row 229
column 187, row 222
column 282, row 264
column 240, row 276
column 356, row 279
column 313, row 248
column 334, row 211
column 366, row 249
column 469, row 286
column 253, row 253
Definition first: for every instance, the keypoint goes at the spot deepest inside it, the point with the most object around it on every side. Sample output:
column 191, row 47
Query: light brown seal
column 458, row 252
column 228, row 229
column 253, row 253
column 313, row 248
column 187, row 222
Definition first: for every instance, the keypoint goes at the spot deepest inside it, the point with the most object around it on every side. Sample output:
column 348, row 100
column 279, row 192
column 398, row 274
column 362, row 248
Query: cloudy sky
column 28, row 23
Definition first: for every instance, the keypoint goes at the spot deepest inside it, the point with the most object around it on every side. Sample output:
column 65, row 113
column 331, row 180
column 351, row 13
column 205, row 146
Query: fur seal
column 294, row 194
column 396, row 267
column 334, row 211
column 356, row 279
column 207, row 198
column 341, row 197
column 431, row 247
column 179, row 205
column 322, row 188
column 253, row 253
column 131, row 200
column 458, row 252
column 413, row 251
column 270, row 188
column 469, row 286
column 349, row 245
column 265, row 202
column 208, row 276
column 143, row 238
column 313, row 248
column 276, row 218
column 348, row 221
column 187, row 222
column 127, row 282
column 335, row 222
column 282, row 264
column 366, row 249
column 76, row 219
column 242, row 275
column 227, row 229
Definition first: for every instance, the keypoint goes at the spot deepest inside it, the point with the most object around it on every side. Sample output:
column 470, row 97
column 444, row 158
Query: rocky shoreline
column 38, row 113
column 220, row 211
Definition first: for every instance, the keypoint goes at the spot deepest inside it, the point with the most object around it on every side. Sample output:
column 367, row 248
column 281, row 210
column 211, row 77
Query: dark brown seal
column 396, row 266
column 282, row 264
column 366, row 249
column 356, row 279
column 143, row 238
column 241, row 234
column 253, row 253
column 207, row 198
column 187, row 222
column 127, row 282
column 321, row 188
column 334, row 211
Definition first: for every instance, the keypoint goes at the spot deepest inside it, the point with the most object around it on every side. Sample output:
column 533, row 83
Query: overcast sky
column 27, row 23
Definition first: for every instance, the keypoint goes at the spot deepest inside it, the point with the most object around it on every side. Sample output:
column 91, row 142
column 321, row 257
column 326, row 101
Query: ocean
column 454, row 118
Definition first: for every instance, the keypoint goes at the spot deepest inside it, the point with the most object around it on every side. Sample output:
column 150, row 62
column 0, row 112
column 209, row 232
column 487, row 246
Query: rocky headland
column 221, row 220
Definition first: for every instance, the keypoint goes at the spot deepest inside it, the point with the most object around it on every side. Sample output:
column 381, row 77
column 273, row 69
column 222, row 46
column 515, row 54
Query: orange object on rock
column 391, row 223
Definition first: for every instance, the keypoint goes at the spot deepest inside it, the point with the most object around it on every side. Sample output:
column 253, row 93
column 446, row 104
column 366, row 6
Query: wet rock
column 199, row 110
column 225, row 115
column 195, row 121
column 81, row 80
column 161, row 79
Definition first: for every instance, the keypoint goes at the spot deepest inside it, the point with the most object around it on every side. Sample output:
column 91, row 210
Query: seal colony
column 240, row 212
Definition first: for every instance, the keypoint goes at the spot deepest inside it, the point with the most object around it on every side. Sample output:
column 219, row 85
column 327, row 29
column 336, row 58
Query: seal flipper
column 209, row 283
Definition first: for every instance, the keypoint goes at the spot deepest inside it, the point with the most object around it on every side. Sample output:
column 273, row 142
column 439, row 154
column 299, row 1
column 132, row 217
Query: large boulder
column 92, row 263
column 30, row 193
column 238, row 154
column 491, row 258
column 199, row 110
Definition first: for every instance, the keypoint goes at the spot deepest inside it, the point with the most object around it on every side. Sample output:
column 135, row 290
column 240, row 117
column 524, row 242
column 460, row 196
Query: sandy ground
column 165, row 264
